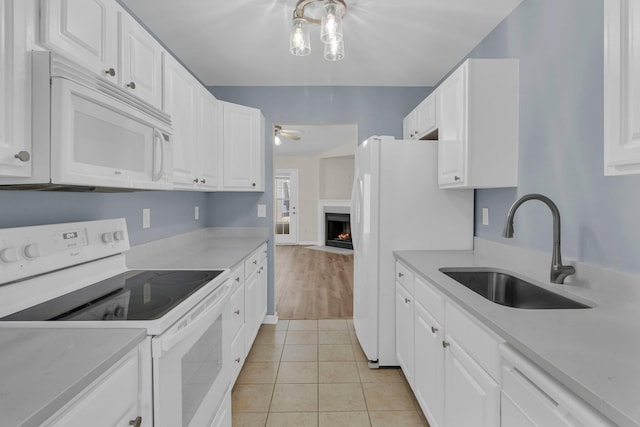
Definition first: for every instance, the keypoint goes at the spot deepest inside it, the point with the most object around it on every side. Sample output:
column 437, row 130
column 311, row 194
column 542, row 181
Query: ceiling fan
column 285, row 133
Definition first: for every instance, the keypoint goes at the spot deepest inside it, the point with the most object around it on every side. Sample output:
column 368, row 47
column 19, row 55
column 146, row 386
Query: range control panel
column 28, row 251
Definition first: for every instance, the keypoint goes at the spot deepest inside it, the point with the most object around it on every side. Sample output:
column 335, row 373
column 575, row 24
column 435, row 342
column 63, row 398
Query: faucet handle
column 560, row 272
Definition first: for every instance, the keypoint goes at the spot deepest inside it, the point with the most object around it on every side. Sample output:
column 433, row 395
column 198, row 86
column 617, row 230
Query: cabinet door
column 428, row 382
column 426, row 116
column 84, row 30
column 452, row 116
column 208, row 140
column 180, row 90
column 242, row 148
column 261, row 296
column 409, row 126
column 15, row 85
column 140, row 61
column 472, row 397
column 404, row 331
column 621, row 87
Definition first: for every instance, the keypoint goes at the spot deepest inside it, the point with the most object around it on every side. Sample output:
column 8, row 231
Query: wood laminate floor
column 311, row 284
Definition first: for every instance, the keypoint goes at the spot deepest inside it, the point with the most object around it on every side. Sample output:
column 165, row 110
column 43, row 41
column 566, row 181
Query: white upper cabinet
column 180, row 94
column 421, row 122
column 140, row 61
column 477, row 111
column 15, row 90
column 243, row 148
column 209, row 135
column 621, row 87
column 101, row 36
column 84, row 30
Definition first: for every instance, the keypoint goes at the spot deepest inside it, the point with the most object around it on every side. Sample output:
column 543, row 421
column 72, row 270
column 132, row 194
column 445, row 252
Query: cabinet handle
column 407, row 300
column 238, row 279
column 131, row 85
column 456, row 178
column 434, row 329
column 445, row 344
column 110, row 72
column 400, row 275
column 137, row 422
column 204, row 181
column 237, row 312
column 237, row 360
column 253, row 185
column 255, row 261
column 196, row 180
column 23, row 156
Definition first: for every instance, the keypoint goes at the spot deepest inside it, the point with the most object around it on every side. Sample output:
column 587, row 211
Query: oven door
column 191, row 364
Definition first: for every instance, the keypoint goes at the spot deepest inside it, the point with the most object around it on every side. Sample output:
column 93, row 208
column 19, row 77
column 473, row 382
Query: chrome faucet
column 558, row 271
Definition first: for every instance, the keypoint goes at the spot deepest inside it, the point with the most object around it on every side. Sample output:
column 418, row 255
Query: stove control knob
column 9, row 255
column 118, row 312
column 32, row 251
column 118, row 235
column 107, row 237
column 107, row 316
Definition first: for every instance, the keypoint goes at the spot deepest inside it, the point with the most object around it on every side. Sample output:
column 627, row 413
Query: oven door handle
column 200, row 323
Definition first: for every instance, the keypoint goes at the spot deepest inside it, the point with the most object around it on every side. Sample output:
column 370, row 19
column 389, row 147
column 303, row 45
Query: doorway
column 286, row 195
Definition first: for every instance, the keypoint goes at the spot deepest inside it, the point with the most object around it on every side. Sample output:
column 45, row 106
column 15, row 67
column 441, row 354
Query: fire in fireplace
column 338, row 227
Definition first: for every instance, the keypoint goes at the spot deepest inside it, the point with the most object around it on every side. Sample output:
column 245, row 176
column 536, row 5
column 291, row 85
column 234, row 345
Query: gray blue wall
column 560, row 47
column 172, row 212
column 376, row 111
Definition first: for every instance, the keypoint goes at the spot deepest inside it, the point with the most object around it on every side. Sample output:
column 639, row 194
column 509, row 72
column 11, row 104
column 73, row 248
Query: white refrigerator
column 396, row 205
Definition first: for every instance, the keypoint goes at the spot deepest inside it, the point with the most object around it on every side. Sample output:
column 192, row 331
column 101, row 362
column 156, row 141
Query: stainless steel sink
column 505, row 289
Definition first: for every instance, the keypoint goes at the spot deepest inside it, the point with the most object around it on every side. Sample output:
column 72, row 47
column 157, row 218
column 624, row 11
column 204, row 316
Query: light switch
column 196, row 214
column 485, row 216
column 262, row 211
column 146, row 218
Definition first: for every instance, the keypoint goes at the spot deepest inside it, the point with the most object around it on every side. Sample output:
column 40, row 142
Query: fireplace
column 338, row 230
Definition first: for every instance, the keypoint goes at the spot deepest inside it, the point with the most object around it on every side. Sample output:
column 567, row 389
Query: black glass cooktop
column 133, row 295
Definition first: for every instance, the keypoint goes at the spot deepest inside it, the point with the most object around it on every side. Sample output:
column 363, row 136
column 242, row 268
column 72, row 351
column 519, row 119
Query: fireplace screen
column 338, row 229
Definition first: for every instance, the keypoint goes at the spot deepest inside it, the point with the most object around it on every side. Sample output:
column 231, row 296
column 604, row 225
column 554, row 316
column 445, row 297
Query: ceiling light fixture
column 330, row 29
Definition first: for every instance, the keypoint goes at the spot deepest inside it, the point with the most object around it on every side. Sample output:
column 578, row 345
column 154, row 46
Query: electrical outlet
column 485, row 216
column 262, row 211
column 196, row 214
column 146, row 218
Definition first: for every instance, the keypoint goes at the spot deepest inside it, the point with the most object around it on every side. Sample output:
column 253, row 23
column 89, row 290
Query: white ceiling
column 387, row 43
column 317, row 139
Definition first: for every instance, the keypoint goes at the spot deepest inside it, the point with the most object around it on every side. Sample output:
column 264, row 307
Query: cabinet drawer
column 237, row 276
column 404, row 276
column 262, row 252
column 474, row 339
column 429, row 298
column 251, row 263
column 236, row 303
column 110, row 400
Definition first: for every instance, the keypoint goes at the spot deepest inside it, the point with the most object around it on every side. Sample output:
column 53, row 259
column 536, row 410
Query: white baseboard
column 308, row 243
column 270, row 319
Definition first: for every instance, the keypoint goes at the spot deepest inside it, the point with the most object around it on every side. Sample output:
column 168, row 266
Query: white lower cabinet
column 428, row 381
column 472, row 397
column 454, row 370
column 119, row 397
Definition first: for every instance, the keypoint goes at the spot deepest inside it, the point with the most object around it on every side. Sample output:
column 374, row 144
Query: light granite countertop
column 207, row 248
column 593, row 352
column 43, row 369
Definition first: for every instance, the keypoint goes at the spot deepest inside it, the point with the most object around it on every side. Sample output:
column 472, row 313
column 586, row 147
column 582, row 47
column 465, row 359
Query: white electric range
column 74, row 275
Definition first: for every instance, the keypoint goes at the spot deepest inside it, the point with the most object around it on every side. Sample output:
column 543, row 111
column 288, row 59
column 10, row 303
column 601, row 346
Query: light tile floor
column 313, row 373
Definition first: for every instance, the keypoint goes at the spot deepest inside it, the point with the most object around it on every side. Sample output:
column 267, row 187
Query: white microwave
column 89, row 134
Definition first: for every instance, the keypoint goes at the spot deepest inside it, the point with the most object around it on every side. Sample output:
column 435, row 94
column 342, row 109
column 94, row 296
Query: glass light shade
column 277, row 140
column 331, row 26
column 299, row 43
column 334, row 51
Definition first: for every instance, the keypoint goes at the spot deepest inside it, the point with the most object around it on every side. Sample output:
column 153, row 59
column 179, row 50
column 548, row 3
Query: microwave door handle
column 200, row 323
column 158, row 150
